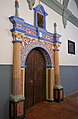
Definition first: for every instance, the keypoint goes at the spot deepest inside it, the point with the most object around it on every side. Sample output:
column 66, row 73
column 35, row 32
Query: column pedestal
column 58, row 93
column 16, row 107
column 58, row 89
column 49, row 84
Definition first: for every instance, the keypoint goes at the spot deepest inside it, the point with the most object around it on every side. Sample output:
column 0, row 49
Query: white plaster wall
column 6, row 10
column 70, row 33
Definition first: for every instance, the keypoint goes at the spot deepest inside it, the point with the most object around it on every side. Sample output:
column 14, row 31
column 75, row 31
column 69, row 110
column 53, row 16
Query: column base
column 17, row 107
column 58, row 93
column 50, row 100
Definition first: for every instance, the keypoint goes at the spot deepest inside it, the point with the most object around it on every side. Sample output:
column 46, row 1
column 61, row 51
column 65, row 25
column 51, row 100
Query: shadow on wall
column 69, row 79
column 5, row 89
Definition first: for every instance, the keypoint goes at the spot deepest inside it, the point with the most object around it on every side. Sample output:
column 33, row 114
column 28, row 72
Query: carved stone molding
column 31, row 3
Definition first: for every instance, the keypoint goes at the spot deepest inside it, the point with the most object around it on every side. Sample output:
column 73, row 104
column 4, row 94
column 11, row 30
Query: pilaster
column 49, row 83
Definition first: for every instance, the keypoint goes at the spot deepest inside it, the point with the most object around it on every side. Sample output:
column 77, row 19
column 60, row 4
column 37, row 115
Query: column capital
column 50, row 67
column 23, row 66
column 17, row 35
column 55, row 49
column 15, row 41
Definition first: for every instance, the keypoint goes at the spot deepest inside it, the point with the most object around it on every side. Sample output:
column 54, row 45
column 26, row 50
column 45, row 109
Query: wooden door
column 35, row 82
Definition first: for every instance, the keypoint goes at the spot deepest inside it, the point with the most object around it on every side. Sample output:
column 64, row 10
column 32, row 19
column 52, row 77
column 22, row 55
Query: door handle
column 31, row 81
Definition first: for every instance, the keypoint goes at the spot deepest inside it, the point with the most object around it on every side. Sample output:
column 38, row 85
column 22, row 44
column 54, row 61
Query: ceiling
column 60, row 9
column 76, row 1
column 65, row 2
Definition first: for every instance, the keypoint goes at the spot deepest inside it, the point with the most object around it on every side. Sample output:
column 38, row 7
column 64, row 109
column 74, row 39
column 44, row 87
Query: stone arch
column 46, row 55
column 43, row 49
column 49, row 65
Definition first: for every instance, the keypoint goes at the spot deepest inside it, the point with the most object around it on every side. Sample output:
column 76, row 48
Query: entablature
column 21, row 27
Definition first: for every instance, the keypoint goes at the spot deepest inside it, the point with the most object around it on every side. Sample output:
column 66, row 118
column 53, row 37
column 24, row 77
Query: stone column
column 58, row 89
column 16, row 82
column 17, row 100
column 56, row 57
column 56, row 64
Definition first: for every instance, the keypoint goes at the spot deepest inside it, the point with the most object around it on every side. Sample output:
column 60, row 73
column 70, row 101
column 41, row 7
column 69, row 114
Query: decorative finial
column 16, row 7
column 55, row 25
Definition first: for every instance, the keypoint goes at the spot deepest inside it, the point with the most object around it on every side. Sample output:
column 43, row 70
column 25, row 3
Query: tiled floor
column 68, row 109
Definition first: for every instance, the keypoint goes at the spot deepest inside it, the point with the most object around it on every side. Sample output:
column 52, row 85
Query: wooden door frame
column 49, row 73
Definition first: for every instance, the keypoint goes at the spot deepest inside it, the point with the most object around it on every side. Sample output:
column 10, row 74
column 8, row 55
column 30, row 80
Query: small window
column 40, row 20
column 71, row 47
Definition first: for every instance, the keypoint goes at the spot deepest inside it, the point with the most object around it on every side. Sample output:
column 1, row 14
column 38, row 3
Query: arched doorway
column 35, row 78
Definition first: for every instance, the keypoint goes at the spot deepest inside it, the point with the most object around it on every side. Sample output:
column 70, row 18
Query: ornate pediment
column 40, row 9
column 40, row 17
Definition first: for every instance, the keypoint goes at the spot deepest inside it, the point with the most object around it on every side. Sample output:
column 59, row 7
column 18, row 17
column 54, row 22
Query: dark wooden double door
column 35, row 82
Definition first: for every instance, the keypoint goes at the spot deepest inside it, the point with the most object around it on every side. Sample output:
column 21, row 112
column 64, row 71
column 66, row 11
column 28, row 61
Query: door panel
column 29, row 81
column 35, row 78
